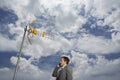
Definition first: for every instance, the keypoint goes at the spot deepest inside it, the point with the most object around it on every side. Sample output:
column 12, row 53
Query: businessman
column 63, row 71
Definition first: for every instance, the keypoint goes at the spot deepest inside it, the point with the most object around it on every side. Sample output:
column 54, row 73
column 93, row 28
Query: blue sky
column 87, row 31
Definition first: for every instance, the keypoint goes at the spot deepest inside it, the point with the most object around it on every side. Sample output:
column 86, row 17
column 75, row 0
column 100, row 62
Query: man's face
column 62, row 62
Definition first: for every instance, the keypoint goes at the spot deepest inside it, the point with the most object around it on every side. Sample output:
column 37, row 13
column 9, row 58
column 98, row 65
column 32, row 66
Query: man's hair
column 66, row 59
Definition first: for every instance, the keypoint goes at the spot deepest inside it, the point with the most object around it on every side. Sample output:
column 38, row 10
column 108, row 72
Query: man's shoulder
column 68, row 67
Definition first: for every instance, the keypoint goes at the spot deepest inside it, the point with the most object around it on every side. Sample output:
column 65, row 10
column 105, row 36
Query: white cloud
column 100, row 67
column 45, row 46
column 110, row 13
column 97, row 45
column 66, row 15
column 7, row 44
column 5, row 73
column 116, row 37
column 26, row 66
column 28, row 71
column 103, row 7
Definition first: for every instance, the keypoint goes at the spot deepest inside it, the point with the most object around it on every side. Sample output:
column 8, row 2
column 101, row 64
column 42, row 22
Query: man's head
column 64, row 61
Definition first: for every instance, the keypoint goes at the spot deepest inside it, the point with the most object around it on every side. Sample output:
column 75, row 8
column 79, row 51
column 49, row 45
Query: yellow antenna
column 43, row 34
column 32, row 32
column 35, row 31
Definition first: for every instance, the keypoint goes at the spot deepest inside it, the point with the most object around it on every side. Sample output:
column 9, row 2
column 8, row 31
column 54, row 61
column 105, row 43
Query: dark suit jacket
column 64, row 74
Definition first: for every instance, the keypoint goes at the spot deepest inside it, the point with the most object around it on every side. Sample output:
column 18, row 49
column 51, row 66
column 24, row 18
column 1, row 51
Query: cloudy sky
column 87, row 31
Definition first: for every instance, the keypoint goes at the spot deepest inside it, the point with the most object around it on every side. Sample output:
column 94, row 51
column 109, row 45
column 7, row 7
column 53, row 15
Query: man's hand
column 59, row 65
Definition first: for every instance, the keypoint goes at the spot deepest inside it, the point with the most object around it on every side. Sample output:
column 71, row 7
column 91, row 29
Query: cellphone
column 60, row 64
